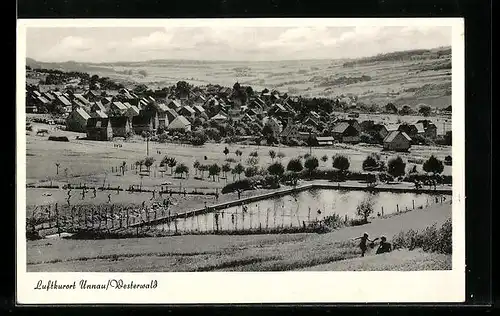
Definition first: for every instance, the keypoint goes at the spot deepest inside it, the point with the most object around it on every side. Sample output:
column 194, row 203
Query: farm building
column 120, row 125
column 345, row 133
column 174, row 105
column 275, row 125
column 410, row 129
column 279, row 110
column 61, row 100
column 187, row 111
column 99, row 129
column 99, row 114
column 180, row 123
column 170, row 115
column 132, row 111
column 77, row 120
column 310, row 121
column 325, row 140
column 145, row 121
column 291, row 131
column 430, row 128
column 219, row 118
column 420, row 128
column 81, row 98
column 97, row 106
column 93, row 95
column 353, row 122
column 118, row 107
column 379, row 131
column 199, row 109
column 397, row 141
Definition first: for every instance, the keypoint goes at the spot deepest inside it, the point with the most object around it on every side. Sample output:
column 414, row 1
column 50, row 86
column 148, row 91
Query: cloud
column 224, row 42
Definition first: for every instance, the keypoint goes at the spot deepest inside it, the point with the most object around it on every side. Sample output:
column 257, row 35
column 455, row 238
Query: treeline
column 402, row 56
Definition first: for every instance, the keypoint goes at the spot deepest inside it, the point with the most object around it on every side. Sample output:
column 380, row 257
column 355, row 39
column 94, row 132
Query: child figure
column 384, row 246
column 362, row 244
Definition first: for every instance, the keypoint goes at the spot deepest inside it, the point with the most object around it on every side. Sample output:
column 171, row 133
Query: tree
column 311, row 163
column 295, row 165
column 373, row 162
column 341, row 162
column 181, row 169
column 254, row 154
column 57, row 167
column 225, row 169
column 447, row 138
column 276, row 169
column 140, row 89
column 202, row 169
column 196, row 165
column 280, row 155
column 433, row 165
column 268, row 133
column 238, row 169
column 169, row 161
column 290, row 177
column 214, row 170
column 391, row 108
column 226, row 151
column 272, row 154
column 139, row 164
column 396, row 167
column 413, row 169
column 251, row 171
column 238, row 153
column 324, row 158
column 447, row 160
column 253, row 161
column 148, row 162
column 365, row 209
column 425, row 110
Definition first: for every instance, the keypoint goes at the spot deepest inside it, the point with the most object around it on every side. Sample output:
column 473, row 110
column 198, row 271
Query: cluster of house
column 103, row 115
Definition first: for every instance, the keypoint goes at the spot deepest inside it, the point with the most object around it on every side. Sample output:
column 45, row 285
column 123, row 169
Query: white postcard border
column 256, row 287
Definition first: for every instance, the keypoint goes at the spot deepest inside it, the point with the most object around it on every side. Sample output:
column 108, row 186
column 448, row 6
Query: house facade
column 99, row 129
column 120, row 125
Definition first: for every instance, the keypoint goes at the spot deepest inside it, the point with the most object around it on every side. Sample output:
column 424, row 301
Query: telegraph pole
column 147, row 145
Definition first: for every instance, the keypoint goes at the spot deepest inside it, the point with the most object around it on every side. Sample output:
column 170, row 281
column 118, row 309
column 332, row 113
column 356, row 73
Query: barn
column 397, row 141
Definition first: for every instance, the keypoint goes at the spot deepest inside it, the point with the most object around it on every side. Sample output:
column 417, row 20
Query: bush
column 240, row 185
column 340, row 162
column 251, row 171
column 276, row 169
column 433, row 165
column 230, row 159
column 431, row 239
column 311, row 163
column 294, row 165
column 334, row 221
column 396, row 167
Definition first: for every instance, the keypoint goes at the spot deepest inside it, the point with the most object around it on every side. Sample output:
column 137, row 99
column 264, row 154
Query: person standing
column 362, row 243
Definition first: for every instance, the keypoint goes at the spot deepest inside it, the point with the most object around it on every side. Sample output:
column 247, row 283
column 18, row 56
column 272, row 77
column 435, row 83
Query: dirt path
column 221, row 253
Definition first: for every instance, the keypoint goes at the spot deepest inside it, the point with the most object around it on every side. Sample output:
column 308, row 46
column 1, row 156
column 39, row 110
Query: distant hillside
column 409, row 55
column 64, row 66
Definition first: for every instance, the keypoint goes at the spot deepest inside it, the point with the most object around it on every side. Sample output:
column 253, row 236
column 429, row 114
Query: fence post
column 309, row 216
column 413, row 201
column 397, row 208
column 382, row 211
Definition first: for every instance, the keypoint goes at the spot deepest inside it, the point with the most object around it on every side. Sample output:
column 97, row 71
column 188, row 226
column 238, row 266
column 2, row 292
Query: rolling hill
column 408, row 77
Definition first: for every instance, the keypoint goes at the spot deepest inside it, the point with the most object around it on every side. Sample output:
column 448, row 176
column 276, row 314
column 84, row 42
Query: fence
column 158, row 220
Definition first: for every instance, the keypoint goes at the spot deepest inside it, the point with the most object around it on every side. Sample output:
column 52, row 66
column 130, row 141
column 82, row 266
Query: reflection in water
column 299, row 209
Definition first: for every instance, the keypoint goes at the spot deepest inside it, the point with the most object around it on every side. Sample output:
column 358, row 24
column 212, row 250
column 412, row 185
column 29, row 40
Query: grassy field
column 238, row 253
column 91, row 162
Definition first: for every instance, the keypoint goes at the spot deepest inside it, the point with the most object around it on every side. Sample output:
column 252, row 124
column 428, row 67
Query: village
column 215, row 113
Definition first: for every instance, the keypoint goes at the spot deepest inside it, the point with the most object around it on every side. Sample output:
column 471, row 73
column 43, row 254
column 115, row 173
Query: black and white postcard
column 240, row 161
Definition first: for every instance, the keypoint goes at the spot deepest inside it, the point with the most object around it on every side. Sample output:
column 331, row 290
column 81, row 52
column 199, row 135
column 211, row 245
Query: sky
column 225, row 42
